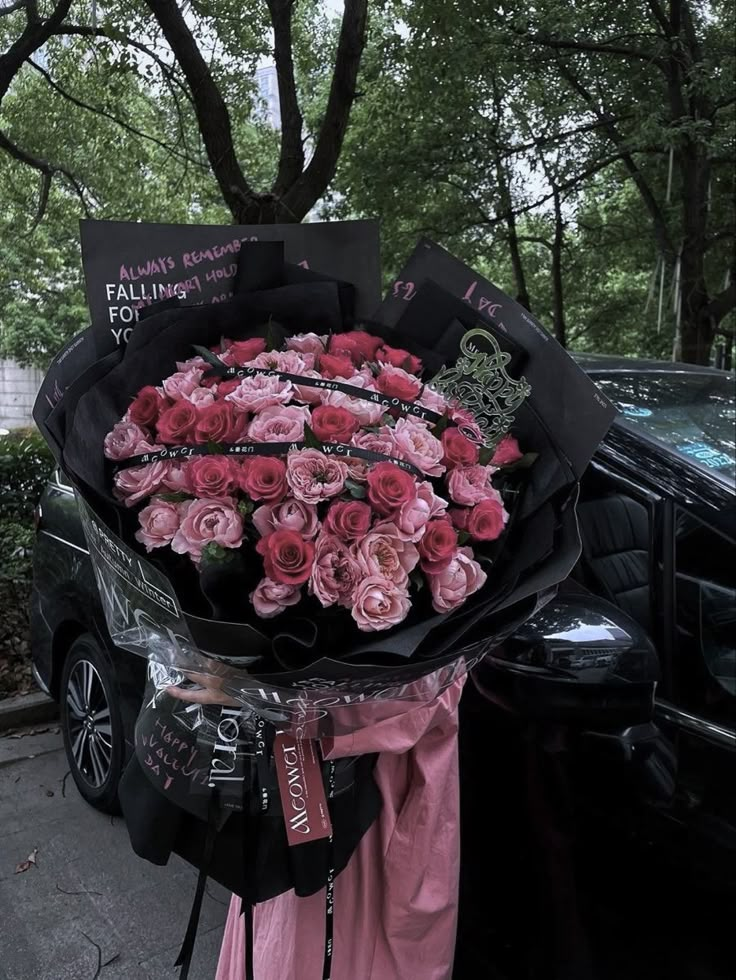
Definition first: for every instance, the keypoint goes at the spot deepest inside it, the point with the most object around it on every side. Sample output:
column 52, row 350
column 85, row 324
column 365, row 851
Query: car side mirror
column 579, row 661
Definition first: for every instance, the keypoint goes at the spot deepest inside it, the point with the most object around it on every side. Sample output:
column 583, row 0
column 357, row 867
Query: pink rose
column 384, row 552
column 159, row 523
column 486, row 520
column 307, row 343
column 271, row 598
column 366, row 412
column 458, row 449
column 379, row 604
column 414, row 515
column 433, row 401
column 126, row 439
column 279, row 424
column 313, row 476
column 358, row 345
column 466, row 423
column 139, row 482
column 193, row 362
column 264, row 478
column 305, row 393
column 332, row 424
column 147, row 406
column 461, row 578
column 290, row 515
column 437, row 546
column 389, row 487
column 176, row 424
column 178, row 476
column 243, row 351
column 219, row 422
column 287, row 557
column 335, row 573
column 212, row 476
column 376, row 442
column 459, row 517
column 335, row 366
column 200, row 397
column 289, row 361
column 260, row 391
column 182, row 383
column 396, row 383
column 415, row 443
column 507, row 451
column 399, row 358
column 203, row 521
column 226, row 387
column 469, row 485
column 348, row 519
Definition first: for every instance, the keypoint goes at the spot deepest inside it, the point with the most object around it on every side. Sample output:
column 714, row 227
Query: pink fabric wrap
column 396, row 901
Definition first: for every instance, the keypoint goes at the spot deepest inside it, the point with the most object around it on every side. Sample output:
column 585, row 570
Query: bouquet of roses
column 330, row 463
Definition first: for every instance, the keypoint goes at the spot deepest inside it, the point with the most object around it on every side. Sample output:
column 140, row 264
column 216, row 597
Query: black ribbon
column 377, row 397
column 341, row 450
column 184, row 959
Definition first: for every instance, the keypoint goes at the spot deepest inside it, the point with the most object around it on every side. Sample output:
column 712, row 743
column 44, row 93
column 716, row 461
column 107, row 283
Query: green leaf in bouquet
column 463, row 538
column 375, row 369
column 246, row 507
column 417, row 579
column 272, row 340
column 310, row 439
column 214, row 448
column 357, row 490
column 440, row 427
column 485, row 456
column 215, row 554
column 526, row 461
column 212, row 359
column 174, row 498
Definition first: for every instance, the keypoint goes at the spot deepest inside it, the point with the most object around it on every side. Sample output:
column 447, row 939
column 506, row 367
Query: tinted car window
column 705, row 611
column 694, row 414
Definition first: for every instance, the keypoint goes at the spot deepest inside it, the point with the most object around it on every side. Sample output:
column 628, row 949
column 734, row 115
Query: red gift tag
column 302, row 790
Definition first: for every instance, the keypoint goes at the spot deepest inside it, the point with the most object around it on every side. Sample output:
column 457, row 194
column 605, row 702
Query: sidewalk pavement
column 87, row 888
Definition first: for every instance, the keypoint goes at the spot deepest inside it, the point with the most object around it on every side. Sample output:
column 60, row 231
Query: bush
column 25, row 464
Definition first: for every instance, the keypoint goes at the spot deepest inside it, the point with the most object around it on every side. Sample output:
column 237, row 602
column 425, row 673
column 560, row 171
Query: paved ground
column 87, row 886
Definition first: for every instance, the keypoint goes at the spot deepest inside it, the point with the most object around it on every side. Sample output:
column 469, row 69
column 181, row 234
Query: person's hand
column 210, row 691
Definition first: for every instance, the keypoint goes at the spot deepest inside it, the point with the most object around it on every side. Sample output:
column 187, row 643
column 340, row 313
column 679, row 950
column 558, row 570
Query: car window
column 705, row 611
column 694, row 414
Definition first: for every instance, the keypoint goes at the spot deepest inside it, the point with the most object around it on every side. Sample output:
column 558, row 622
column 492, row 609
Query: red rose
column 287, row 557
column 358, row 345
column 507, row 451
column 486, row 520
column 396, row 383
column 176, row 424
column 335, row 366
column 459, row 517
column 397, row 357
column 348, row 519
column 247, row 350
column 331, row 424
column 212, row 476
column 437, row 546
column 459, row 450
column 226, row 387
column 264, row 478
column 219, row 422
column 147, row 406
column 389, row 487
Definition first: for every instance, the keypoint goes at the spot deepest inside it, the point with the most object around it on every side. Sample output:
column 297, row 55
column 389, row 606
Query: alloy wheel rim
column 90, row 730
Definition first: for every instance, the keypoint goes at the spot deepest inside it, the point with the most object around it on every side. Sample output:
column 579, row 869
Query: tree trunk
column 558, row 294
column 504, row 192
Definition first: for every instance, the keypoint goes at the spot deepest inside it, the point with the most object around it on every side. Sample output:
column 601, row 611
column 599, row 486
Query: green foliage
column 25, row 464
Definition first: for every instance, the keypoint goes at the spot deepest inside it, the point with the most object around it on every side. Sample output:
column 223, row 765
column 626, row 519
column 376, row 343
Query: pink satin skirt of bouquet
column 395, row 910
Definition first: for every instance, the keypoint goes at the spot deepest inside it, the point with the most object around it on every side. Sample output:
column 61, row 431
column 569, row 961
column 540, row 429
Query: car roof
column 614, row 364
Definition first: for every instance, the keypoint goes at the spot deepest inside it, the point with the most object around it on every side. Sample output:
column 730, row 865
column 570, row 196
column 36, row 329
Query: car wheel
column 92, row 725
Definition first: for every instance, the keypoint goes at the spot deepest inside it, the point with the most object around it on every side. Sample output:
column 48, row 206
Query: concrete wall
column 18, row 388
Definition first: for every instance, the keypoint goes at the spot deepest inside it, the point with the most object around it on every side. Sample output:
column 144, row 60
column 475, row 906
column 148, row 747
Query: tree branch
column 108, row 115
column 35, row 34
column 291, row 162
column 18, row 5
column 212, row 114
column 722, row 303
column 321, row 169
column 592, row 47
column 43, row 166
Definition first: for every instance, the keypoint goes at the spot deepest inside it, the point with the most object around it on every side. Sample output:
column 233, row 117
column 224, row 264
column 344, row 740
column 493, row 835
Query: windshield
column 694, row 414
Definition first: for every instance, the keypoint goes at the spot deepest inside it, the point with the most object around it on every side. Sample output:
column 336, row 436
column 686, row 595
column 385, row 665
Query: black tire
column 92, row 724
